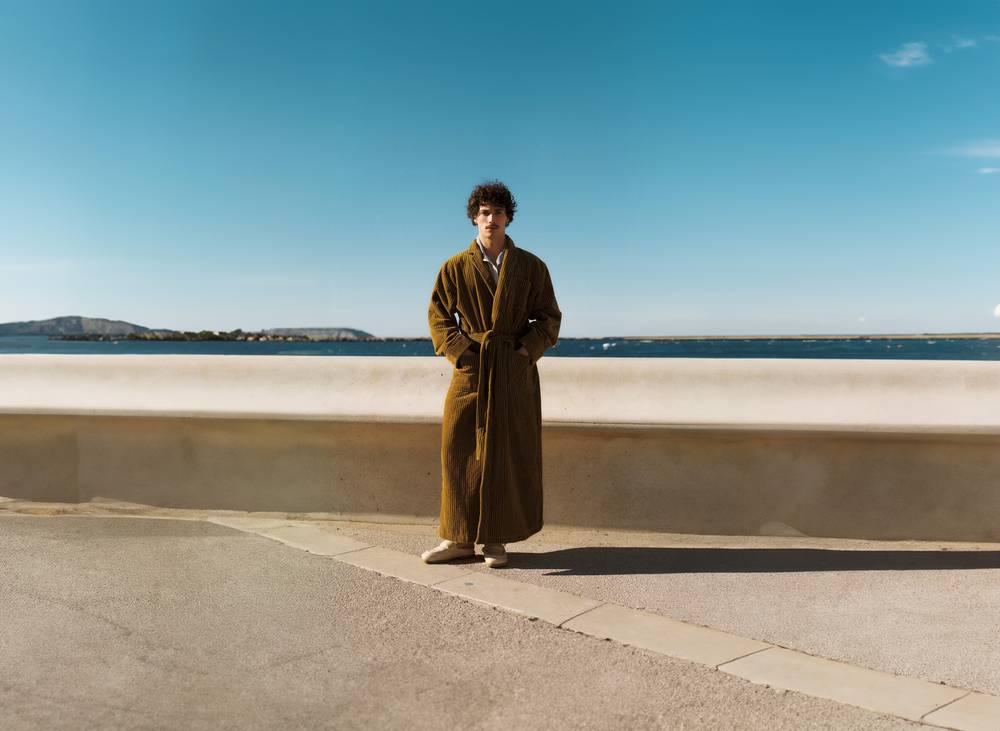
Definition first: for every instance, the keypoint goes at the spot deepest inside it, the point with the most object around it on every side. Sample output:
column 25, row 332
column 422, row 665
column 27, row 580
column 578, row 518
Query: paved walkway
column 748, row 587
column 922, row 610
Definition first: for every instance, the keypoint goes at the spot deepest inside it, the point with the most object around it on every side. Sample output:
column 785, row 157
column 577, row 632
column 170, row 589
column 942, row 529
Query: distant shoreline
column 209, row 337
column 654, row 338
column 98, row 329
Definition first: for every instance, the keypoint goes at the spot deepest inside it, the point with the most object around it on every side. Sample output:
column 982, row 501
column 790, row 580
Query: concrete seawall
column 841, row 448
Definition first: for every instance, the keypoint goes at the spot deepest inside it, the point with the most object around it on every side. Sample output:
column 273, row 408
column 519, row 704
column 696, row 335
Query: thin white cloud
column 977, row 149
column 958, row 43
column 996, row 311
column 991, row 39
column 909, row 54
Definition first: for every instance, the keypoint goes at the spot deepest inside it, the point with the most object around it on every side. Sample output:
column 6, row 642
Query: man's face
column 492, row 221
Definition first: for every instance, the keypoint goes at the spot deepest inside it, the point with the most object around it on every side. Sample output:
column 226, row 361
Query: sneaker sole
column 452, row 557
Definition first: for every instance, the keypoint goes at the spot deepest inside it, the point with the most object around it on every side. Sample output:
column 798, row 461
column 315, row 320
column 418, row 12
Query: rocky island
column 74, row 327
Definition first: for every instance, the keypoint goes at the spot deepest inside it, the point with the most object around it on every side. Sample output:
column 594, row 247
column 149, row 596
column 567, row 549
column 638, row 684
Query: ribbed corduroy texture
column 495, row 496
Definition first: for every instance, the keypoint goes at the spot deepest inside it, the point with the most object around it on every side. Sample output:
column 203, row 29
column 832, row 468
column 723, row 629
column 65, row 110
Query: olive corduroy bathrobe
column 491, row 432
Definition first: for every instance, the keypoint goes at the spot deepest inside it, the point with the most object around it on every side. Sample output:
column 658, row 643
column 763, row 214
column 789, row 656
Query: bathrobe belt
column 496, row 351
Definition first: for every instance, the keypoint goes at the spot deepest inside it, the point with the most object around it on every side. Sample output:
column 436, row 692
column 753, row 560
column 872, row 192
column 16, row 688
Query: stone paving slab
column 402, row 566
column 307, row 537
column 837, row 681
column 974, row 712
column 662, row 634
column 251, row 524
column 550, row 605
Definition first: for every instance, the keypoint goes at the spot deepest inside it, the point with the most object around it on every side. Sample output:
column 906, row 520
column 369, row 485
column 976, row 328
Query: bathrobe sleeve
column 448, row 340
column 544, row 318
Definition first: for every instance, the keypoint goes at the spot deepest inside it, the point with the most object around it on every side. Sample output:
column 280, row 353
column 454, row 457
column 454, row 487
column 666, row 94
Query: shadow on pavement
column 604, row 561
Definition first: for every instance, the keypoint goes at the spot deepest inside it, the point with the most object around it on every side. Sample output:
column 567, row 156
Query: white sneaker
column 447, row 550
column 495, row 555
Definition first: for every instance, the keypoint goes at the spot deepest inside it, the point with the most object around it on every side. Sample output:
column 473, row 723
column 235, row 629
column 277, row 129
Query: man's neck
column 494, row 246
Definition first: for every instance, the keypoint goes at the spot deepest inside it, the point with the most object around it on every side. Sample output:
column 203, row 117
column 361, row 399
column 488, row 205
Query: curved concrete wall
column 842, row 395
column 874, row 449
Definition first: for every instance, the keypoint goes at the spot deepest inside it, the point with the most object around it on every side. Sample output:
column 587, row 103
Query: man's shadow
column 610, row 561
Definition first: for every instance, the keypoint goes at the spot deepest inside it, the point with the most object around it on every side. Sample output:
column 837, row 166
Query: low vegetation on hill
column 75, row 327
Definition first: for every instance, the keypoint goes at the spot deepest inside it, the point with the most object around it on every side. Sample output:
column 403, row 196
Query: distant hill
column 322, row 333
column 74, row 325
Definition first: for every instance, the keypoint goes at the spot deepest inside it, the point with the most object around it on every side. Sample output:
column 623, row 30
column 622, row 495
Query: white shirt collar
column 486, row 257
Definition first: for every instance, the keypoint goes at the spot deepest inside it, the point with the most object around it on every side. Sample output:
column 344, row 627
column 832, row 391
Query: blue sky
column 683, row 168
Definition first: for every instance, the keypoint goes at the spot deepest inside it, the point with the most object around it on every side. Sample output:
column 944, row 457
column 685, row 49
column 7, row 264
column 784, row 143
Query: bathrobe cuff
column 534, row 343
column 456, row 344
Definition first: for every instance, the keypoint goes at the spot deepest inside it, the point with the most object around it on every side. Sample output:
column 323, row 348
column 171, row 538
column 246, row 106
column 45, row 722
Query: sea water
column 931, row 348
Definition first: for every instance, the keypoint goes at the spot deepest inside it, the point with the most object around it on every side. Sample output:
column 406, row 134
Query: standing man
column 492, row 314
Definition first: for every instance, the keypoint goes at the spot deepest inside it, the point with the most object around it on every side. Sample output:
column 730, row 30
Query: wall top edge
column 735, row 427
column 858, row 396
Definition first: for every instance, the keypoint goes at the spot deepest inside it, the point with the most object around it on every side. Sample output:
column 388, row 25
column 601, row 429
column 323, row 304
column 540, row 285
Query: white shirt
column 494, row 269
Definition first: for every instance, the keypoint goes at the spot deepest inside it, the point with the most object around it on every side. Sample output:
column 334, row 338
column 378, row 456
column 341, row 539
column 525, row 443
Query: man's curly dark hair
column 493, row 193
